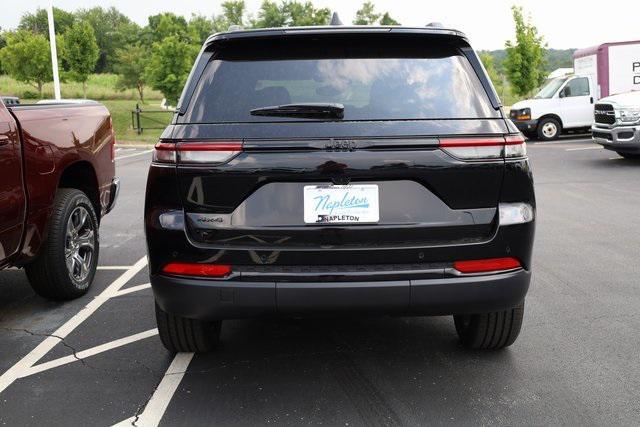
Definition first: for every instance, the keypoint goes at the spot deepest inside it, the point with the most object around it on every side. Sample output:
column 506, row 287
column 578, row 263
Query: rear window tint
column 380, row 82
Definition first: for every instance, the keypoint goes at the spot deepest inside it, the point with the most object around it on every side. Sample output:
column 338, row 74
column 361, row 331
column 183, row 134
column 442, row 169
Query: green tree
column 131, row 65
column 525, row 61
column 199, row 28
column 166, row 25
column 3, row 43
column 169, row 66
column 27, row 58
column 305, row 14
column 366, row 15
column 80, row 53
column 270, row 15
column 496, row 77
column 388, row 20
column 113, row 30
column 38, row 22
column 232, row 14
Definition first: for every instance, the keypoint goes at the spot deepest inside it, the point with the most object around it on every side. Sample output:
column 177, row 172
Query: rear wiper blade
column 306, row 110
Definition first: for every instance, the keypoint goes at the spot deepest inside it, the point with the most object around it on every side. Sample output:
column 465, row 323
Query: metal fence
column 150, row 119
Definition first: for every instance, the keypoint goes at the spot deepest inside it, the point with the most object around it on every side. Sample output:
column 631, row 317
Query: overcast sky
column 564, row 23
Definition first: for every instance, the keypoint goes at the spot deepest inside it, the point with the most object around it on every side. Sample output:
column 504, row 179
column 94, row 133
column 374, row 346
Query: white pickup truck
column 617, row 124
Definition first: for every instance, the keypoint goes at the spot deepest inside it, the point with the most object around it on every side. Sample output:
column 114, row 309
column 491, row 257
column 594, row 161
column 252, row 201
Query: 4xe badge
column 340, row 145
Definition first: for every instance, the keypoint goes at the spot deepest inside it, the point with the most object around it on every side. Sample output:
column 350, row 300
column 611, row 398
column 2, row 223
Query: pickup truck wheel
column 549, row 129
column 67, row 262
column 179, row 334
column 490, row 330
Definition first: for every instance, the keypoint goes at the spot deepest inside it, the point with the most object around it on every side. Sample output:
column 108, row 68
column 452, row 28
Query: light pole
column 54, row 51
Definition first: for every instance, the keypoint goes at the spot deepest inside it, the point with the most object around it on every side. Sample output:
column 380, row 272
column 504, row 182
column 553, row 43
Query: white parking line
column 135, row 154
column 114, row 267
column 157, row 405
column 22, row 367
column 132, row 289
column 584, row 148
column 89, row 352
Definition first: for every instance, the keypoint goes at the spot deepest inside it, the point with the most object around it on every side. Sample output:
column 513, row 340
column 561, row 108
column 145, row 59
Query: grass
column 121, row 116
column 99, row 87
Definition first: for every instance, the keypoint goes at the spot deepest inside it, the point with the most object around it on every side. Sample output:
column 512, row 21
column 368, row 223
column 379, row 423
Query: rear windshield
column 376, row 81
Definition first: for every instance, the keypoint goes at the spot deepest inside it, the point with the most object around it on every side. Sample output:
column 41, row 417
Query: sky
column 488, row 23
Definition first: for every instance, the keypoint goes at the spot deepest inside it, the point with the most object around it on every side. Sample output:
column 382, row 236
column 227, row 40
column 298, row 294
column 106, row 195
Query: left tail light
column 215, row 152
column 480, row 148
column 197, row 270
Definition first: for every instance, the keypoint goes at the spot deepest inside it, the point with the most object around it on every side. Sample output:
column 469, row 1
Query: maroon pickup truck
column 57, row 180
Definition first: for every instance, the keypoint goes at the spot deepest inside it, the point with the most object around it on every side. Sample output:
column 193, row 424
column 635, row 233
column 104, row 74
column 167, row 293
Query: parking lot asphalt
column 98, row 360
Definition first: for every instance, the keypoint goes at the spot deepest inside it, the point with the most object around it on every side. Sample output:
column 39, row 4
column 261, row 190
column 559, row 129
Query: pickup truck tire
column 67, row 262
column 179, row 334
column 549, row 129
column 490, row 331
column 631, row 156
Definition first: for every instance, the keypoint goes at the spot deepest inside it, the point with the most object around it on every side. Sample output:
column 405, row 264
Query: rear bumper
column 113, row 194
column 527, row 126
column 220, row 299
column 624, row 139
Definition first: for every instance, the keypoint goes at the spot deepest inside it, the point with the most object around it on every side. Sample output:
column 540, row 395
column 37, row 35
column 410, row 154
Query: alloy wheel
column 79, row 244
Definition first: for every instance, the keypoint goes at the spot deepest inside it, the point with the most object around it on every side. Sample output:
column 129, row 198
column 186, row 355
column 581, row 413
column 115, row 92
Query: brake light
column 215, row 152
column 164, row 152
column 486, row 265
column 200, row 270
column 113, row 140
column 208, row 152
column 509, row 146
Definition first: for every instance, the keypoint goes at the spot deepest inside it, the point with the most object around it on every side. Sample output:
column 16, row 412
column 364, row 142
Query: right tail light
column 479, row 148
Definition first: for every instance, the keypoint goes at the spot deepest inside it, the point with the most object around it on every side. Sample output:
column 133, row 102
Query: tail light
column 486, row 265
column 113, row 141
column 214, row 152
column 199, row 270
column 510, row 146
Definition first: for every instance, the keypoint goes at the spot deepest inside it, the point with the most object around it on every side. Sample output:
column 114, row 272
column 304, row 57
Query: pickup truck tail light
column 479, row 148
column 113, row 141
column 210, row 152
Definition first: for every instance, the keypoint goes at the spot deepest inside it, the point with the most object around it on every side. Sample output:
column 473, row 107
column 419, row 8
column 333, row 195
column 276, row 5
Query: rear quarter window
column 374, row 81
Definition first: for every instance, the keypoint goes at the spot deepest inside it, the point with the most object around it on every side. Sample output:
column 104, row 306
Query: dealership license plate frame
column 341, row 204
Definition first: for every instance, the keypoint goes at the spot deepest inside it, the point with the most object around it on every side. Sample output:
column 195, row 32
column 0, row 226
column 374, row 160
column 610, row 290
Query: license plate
column 339, row 204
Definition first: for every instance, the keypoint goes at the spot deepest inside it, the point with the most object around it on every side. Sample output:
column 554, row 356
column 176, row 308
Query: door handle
column 591, row 99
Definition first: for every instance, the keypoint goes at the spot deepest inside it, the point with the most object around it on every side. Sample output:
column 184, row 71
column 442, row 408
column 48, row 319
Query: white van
column 564, row 103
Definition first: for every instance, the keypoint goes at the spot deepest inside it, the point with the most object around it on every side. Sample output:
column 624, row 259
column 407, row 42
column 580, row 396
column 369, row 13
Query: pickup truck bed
column 44, row 149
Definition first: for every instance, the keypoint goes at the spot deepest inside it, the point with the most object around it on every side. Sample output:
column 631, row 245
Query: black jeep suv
column 339, row 171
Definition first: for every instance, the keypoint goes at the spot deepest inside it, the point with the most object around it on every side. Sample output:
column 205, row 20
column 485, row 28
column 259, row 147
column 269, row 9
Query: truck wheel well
column 81, row 176
column 551, row 116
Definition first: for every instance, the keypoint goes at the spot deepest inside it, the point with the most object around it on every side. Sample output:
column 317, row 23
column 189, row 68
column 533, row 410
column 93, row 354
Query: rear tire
column 630, row 156
column 549, row 129
column 66, row 264
column 490, row 331
column 179, row 334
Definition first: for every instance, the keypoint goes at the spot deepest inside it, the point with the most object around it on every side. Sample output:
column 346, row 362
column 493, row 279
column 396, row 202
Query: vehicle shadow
column 349, row 371
column 16, row 296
